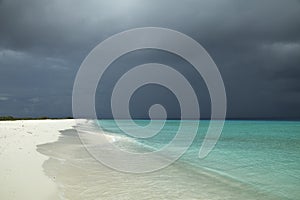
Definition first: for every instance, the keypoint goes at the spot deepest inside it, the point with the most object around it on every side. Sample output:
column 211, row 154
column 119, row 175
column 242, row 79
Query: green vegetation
column 5, row 118
column 11, row 118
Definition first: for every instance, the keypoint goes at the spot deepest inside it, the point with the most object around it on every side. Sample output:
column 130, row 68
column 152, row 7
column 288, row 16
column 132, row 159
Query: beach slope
column 21, row 171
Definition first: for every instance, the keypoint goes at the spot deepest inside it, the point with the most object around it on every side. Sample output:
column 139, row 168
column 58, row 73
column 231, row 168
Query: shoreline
column 80, row 176
column 21, row 165
column 45, row 159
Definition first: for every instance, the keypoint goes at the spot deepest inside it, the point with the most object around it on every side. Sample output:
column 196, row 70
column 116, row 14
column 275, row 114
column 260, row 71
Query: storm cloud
column 255, row 44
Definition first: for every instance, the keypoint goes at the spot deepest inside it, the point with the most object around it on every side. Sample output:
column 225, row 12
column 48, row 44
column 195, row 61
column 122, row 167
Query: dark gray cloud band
column 255, row 44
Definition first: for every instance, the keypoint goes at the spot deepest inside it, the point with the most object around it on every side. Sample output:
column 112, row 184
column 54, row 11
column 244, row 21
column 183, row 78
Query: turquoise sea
column 251, row 160
column 264, row 154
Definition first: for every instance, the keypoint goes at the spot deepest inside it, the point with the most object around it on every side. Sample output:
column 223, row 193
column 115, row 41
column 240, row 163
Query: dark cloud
column 255, row 44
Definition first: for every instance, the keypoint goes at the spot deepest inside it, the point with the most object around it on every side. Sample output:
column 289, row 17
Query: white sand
column 21, row 172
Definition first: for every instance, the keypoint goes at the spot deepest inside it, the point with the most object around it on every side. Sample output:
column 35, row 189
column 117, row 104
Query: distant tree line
column 11, row 118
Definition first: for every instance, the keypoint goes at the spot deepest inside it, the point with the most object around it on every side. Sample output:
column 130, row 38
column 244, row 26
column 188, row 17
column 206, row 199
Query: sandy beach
column 21, row 171
column 45, row 160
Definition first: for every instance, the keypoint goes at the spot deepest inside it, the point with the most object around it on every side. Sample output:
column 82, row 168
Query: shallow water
column 252, row 160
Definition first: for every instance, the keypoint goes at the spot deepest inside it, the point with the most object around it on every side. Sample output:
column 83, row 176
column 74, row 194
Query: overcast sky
column 255, row 44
